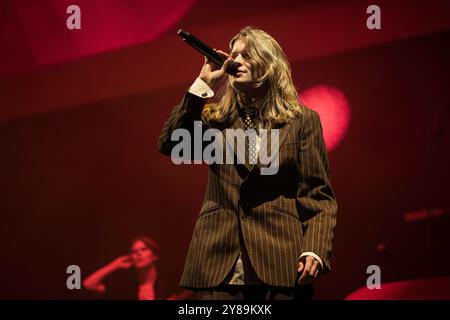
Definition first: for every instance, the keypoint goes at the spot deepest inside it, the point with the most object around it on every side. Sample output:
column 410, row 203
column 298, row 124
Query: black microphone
column 200, row 46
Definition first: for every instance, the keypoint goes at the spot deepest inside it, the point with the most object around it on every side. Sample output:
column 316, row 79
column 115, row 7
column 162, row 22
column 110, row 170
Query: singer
column 257, row 236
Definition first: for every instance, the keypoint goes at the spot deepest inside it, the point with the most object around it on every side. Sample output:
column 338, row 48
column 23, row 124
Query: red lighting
column 334, row 110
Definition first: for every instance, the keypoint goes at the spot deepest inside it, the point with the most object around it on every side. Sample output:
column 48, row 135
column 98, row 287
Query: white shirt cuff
column 201, row 89
column 312, row 254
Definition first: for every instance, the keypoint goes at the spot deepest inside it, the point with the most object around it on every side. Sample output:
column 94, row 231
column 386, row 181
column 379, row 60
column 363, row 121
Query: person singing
column 257, row 236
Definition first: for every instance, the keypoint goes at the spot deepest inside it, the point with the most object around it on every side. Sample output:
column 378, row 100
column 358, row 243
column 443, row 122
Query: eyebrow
column 234, row 52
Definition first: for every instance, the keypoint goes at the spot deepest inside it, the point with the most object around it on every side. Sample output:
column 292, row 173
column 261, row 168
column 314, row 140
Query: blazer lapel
column 271, row 145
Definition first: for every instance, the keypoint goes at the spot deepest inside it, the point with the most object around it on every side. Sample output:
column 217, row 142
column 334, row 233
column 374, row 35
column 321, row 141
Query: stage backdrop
column 80, row 173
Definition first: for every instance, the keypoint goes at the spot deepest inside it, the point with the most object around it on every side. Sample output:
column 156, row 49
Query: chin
column 241, row 79
column 241, row 86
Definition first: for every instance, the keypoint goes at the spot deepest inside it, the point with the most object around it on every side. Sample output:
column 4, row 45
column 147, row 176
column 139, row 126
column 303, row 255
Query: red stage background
column 81, row 111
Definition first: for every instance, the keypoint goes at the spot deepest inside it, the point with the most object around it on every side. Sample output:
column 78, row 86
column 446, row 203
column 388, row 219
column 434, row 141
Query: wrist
column 209, row 82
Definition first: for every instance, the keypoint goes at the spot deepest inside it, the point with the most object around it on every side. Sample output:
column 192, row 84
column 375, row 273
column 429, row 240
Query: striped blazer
column 279, row 216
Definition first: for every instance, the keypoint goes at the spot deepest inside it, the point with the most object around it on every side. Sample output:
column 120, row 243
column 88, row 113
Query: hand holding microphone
column 211, row 72
column 217, row 62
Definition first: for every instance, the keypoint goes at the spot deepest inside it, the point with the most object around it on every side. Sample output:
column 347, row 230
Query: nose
column 239, row 59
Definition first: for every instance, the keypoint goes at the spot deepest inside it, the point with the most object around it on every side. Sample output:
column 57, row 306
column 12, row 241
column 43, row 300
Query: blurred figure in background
column 133, row 276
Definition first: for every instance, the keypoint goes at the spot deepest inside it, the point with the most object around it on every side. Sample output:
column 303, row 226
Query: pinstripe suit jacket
column 279, row 216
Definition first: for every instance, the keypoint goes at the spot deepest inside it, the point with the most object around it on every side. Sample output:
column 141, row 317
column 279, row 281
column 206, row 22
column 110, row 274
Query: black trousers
column 256, row 292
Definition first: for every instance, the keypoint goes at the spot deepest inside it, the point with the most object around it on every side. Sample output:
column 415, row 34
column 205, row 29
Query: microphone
column 200, row 46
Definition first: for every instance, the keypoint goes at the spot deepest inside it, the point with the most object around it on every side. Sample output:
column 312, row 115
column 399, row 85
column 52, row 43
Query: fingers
column 308, row 266
column 314, row 268
column 229, row 59
column 224, row 54
column 309, row 270
column 211, row 71
column 300, row 266
column 226, row 64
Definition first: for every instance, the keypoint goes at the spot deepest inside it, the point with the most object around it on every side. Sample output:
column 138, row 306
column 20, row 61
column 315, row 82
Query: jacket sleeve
column 315, row 197
column 185, row 115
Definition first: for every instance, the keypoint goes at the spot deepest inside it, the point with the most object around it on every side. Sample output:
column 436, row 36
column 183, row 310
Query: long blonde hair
column 281, row 101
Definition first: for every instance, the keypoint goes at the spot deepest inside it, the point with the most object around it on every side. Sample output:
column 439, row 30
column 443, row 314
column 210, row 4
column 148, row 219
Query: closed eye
column 243, row 54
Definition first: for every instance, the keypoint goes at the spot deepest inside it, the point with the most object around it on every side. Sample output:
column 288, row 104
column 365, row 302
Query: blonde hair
column 281, row 101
